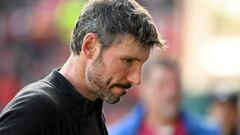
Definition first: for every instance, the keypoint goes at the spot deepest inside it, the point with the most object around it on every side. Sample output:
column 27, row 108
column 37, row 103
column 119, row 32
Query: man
column 159, row 112
column 224, row 111
column 111, row 41
column 238, row 113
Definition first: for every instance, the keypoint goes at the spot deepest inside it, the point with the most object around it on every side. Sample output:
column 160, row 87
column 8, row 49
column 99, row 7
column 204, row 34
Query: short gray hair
column 109, row 19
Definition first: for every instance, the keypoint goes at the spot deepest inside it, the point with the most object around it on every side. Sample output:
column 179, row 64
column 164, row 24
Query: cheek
column 149, row 93
column 118, row 66
column 96, row 74
column 160, row 94
column 116, row 70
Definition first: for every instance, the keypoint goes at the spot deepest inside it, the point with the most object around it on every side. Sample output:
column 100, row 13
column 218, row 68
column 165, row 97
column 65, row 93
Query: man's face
column 224, row 113
column 161, row 92
column 116, row 69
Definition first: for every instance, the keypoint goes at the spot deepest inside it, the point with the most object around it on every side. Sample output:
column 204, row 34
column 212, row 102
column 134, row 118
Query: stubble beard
column 98, row 84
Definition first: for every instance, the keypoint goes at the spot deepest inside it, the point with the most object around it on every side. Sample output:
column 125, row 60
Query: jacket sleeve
column 28, row 114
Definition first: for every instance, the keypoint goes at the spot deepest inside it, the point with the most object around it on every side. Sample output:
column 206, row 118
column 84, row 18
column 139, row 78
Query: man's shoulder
column 35, row 96
column 31, row 111
column 39, row 87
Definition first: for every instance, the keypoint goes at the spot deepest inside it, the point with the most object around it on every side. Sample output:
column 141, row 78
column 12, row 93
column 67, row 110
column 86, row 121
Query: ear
column 89, row 44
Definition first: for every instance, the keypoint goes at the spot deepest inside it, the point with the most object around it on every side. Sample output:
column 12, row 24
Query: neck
column 74, row 71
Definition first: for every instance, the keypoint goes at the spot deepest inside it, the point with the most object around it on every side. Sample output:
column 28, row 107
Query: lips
column 118, row 91
column 124, row 92
column 127, row 86
column 122, row 86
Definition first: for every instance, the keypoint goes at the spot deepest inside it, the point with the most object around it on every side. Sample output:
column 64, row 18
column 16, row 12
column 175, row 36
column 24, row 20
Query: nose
column 135, row 76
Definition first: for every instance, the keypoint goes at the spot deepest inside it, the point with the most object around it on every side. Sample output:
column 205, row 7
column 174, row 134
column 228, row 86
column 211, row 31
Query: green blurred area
column 66, row 17
column 197, row 105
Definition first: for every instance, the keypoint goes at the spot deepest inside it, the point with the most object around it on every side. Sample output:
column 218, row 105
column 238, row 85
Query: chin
column 112, row 100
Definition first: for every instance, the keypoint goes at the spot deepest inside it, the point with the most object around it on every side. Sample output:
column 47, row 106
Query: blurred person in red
column 110, row 42
column 159, row 111
column 9, row 85
column 238, row 113
column 224, row 111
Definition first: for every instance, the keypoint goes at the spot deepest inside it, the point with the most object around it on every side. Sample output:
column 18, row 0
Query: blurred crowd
column 30, row 43
column 34, row 37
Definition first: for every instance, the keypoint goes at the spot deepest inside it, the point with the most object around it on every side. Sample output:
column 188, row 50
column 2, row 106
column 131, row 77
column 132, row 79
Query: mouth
column 120, row 89
column 124, row 92
column 125, row 89
column 122, row 86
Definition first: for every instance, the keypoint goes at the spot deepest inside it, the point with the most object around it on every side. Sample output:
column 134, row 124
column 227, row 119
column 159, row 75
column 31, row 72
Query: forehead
column 160, row 72
column 128, row 46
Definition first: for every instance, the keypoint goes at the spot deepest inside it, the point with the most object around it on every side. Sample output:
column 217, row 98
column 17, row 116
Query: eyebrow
column 137, row 59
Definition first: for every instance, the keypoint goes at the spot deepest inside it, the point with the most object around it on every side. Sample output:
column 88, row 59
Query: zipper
column 104, row 125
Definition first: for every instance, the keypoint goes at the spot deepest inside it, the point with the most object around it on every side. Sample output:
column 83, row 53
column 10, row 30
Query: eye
column 128, row 61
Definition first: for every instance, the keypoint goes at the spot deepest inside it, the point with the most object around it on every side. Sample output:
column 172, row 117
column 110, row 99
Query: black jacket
column 52, row 107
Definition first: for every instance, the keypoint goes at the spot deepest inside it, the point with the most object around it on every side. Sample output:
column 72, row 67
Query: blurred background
column 203, row 36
